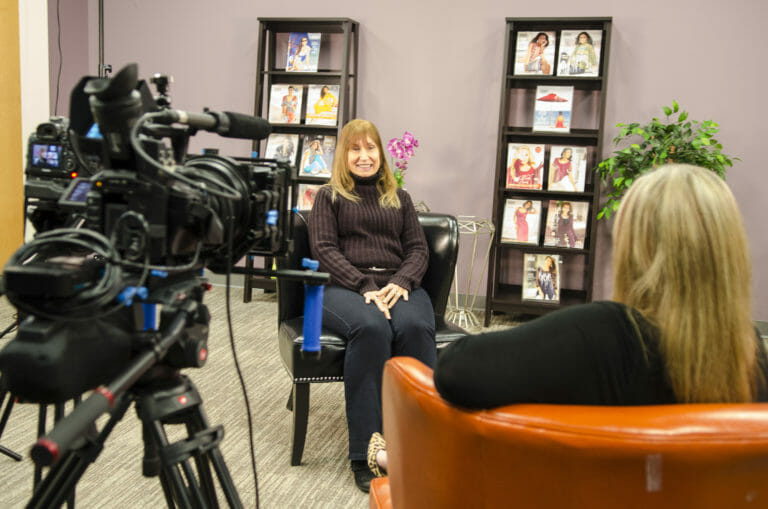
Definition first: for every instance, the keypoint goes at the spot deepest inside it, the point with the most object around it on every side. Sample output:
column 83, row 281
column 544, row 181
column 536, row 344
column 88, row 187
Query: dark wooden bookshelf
column 504, row 291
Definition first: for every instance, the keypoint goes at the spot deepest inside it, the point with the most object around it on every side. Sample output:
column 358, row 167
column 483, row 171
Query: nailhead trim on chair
column 318, row 379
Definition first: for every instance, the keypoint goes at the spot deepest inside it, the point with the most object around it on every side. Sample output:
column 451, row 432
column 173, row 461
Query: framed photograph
column 552, row 109
column 541, row 277
column 285, row 104
column 566, row 224
column 567, row 168
column 525, row 163
column 322, row 104
column 521, row 221
column 303, row 52
column 282, row 147
column 579, row 53
column 535, row 53
column 307, row 195
column 316, row 155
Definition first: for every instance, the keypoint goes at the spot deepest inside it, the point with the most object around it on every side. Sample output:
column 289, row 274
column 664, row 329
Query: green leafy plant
column 677, row 140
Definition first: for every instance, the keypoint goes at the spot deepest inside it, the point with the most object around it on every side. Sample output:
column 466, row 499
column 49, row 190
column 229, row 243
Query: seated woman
column 365, row 233
column 678, row 330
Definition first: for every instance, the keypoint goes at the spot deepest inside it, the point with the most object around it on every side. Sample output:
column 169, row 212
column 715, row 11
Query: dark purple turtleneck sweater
column 364, row 246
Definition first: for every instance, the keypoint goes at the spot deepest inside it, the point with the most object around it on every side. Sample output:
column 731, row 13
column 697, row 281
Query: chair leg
column 300, row 416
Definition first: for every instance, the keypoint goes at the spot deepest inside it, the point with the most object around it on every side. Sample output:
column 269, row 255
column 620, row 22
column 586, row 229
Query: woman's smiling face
column 363, row 157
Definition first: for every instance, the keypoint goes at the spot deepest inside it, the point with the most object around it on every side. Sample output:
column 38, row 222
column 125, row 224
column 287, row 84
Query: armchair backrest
column 702, row 456
column 441, row 232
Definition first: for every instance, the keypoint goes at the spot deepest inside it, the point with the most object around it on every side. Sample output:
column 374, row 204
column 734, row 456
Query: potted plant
column 676, row 140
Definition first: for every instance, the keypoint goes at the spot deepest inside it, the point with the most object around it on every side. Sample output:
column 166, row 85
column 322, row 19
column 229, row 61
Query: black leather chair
column 442, row 233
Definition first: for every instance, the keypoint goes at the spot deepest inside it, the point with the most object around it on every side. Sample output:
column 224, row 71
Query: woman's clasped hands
column 385, row 298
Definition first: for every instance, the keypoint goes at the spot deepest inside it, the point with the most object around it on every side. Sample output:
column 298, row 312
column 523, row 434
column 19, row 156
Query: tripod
column 166, row 398
column 162, row 396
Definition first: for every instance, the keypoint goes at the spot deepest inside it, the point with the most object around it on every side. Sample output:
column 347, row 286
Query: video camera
column 140, row 219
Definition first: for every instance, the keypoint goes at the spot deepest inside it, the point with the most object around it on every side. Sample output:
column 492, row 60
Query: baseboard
column 763, row 328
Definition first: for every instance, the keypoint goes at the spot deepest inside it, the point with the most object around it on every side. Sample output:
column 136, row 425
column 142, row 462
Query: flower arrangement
column 401, row 150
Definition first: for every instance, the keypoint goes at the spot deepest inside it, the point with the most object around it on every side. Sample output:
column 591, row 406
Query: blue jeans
column 371, row 340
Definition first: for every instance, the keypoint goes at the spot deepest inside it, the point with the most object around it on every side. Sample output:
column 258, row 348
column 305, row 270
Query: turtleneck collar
column 366, row 181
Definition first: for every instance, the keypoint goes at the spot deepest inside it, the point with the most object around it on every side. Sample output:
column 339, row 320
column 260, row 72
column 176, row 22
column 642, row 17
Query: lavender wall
column 435, row 70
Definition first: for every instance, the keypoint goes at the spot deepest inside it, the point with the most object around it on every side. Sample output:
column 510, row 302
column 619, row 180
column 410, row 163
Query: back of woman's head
column 680, row 257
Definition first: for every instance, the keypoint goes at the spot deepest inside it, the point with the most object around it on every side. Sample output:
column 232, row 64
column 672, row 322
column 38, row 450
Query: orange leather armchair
column 546, row 456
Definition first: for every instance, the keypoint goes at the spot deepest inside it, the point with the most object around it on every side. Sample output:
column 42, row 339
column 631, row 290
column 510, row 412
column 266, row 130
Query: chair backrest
column 441, row 232
column 702, row 456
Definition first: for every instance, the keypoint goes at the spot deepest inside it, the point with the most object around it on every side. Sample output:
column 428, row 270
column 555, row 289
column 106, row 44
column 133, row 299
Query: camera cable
column 237, row 362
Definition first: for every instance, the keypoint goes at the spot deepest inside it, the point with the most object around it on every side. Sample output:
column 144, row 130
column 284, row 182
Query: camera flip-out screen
column 76, row 193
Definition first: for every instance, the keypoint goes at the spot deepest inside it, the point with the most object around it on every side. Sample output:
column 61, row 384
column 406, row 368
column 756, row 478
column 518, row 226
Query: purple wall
column 435, row 69
column 68, row 28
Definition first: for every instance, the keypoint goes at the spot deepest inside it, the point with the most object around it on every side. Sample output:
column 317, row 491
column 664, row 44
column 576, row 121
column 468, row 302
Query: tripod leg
column 59, row 485
column 4, row 393
column 41, row 418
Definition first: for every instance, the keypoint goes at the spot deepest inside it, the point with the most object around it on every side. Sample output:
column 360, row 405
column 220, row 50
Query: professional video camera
column 152, row 218
column 140, row 230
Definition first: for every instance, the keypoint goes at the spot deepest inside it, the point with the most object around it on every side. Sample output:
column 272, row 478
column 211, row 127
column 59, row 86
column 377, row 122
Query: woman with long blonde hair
column 678, row 329
column 365, row 233
column 681, row 259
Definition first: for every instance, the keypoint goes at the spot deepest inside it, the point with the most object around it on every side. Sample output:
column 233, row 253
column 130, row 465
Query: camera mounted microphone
column 226, row 124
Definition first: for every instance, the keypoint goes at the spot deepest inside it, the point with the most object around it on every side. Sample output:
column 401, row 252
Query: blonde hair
column 680, row 257
column 341, row 182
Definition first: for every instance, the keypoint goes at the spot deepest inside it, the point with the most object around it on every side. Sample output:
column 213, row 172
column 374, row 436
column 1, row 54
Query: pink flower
column 401, row 150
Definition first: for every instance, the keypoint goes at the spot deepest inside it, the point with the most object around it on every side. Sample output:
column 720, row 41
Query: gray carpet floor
column 114, row 480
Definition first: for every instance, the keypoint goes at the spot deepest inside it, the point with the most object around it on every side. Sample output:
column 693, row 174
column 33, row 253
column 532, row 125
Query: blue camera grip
column 313, row 311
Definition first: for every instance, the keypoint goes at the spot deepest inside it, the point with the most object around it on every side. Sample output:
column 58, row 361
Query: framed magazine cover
column 285, row 104
column 566, row 224
column 303, row 51
column 579, row 53
column 282, row 147
column 567, row 168
column 322, row 104
column 541, row 277
column 307, row 195
column 552, row 109
column 535, row 53
column 522, row 218
column 316, row 155
column 525, row 163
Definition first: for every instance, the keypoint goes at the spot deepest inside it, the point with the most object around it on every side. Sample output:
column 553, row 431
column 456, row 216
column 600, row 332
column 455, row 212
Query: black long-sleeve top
column 364, row 246
column 582, row 355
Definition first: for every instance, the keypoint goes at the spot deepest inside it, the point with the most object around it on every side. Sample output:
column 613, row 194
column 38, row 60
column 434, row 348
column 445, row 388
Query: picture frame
column 566, row 224
column 306, row 195
column 567, row 168
column 552, row 109
column 316, row 158
column 541, row 277
column 535, row 53
column 579, row 53
column 525, row 163
column 285, row 101
column 521, row 222
column 322, row 105
column 282, row 147
column 303, row 51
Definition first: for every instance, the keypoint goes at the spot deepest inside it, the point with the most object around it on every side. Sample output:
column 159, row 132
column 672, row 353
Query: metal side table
column 462, row 314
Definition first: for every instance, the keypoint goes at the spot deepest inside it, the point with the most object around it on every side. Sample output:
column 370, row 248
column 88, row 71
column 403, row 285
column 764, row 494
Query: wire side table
column 462, row 314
